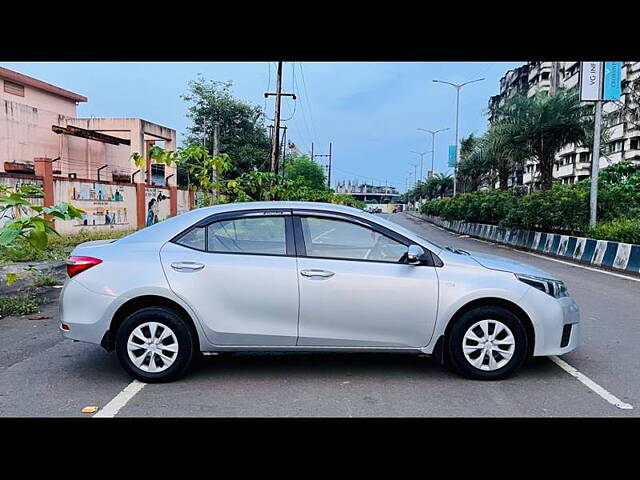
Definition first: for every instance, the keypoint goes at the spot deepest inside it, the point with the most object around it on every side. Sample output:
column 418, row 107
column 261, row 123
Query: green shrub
column 58, row 248
column 20, row 305
column 562, row 209
column 625, row 230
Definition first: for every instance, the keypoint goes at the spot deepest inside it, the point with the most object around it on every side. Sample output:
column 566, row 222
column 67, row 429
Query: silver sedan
column 299, row 276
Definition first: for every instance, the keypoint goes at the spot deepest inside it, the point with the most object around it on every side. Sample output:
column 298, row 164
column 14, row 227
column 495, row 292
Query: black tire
column 467, row 320
column 184, row 336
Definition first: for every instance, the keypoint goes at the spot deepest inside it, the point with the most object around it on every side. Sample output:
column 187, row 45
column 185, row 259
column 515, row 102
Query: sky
column 370, row 111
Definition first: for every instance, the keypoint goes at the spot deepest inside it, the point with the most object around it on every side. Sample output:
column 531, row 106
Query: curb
column 604, row 254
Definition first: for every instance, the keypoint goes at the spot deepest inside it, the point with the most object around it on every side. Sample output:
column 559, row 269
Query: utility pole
column 329, row 166
column 275, row 146
column 595, row 165
column 457, row 87
column 216, row 150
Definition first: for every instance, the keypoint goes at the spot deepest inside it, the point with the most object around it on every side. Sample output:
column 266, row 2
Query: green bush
column 625, row 230
column 58, row 248
column 561, row 209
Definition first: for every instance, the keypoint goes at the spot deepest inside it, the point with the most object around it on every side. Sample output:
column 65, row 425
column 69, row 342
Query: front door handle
column 187, row 266
column 316, row 273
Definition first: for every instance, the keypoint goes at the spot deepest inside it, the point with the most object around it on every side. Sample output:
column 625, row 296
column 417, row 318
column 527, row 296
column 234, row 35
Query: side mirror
column 415, row 255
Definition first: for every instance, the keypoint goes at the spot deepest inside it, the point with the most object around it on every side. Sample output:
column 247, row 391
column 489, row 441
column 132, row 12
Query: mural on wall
column 157, row 205
column 100, row 204
column 91, row 192
column 105, row 205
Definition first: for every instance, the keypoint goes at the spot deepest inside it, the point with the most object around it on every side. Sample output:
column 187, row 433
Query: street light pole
column 422, row 154
column 433, row 144
column 458, row 87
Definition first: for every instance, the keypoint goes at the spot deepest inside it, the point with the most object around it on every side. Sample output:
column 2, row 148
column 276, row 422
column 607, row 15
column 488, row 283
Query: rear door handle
column 316, row 273
column 187, row 266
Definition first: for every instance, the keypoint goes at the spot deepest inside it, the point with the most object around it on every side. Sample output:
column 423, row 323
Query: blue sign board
column 612, row 80
column 452, row 156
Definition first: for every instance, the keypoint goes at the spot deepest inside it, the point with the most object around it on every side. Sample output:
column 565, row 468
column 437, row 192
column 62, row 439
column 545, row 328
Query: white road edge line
column 609, row 397
column 113, row 407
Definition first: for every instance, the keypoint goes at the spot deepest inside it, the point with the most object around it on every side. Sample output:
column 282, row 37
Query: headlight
column 555, row 288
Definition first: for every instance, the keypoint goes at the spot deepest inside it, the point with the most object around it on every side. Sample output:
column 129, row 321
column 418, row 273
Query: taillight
column 75, row 265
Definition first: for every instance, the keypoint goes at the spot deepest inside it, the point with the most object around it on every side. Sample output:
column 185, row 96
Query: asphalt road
column 42, row 374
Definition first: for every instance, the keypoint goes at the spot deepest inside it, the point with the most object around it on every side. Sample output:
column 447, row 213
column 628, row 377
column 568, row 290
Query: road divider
column 616, row 256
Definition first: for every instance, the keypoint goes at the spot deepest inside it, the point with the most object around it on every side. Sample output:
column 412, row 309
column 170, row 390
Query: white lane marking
column 113, row 407
column 609, row 397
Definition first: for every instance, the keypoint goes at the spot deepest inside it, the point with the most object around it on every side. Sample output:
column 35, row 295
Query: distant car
column 297, row 276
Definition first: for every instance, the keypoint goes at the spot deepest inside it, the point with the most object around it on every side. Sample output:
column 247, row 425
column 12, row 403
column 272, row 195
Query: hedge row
column 562, row 209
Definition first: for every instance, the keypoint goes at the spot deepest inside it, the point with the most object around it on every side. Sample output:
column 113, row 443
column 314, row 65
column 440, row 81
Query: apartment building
column 573, row 163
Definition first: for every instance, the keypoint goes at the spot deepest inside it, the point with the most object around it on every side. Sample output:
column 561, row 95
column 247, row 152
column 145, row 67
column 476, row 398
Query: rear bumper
column 84, row 312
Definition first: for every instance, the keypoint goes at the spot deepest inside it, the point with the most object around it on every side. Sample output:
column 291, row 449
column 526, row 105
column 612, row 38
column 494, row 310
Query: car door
column 356, row 288
column 238, row 272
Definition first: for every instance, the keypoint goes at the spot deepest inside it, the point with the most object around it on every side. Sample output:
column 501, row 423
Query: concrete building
column 573, row 163
column 38, row 119
column 368, row 192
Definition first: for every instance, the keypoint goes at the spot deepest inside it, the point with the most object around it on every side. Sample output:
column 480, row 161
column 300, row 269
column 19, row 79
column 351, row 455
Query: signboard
column 590, row 81
column 612, row 80
column 452, row 156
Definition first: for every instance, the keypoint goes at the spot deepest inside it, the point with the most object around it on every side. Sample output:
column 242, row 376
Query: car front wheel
column 487, row 343
column 155, row 345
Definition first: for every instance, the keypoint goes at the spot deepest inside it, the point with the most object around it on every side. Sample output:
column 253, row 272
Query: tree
column 243, row 135
column 443, row 184
column 205, row 171
column 308, row 171
column 543, row 124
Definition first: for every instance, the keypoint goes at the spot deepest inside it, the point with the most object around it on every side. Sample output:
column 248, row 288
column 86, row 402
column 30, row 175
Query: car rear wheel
column 155, row 345
column 487, row 343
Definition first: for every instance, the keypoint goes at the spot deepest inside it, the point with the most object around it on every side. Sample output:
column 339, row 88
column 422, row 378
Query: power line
column 310, row 137
column 304, row 85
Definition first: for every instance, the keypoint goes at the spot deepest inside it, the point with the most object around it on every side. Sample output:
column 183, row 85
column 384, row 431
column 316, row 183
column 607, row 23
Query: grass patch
column 58, row 248
column 20, row 305
column 45, row 281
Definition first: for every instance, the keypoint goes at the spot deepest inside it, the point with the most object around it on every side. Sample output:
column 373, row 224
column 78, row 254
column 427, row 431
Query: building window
column 157, row 174
column 545, row 76
column 634, row 144
column 14, row 88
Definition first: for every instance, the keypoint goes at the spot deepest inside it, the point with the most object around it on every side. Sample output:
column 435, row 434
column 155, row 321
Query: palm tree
column 503, row 152
column 472, row 168
column 543, row 124
column 443, row 183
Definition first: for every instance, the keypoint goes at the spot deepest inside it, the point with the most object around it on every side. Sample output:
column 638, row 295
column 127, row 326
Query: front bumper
column 549, row 316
